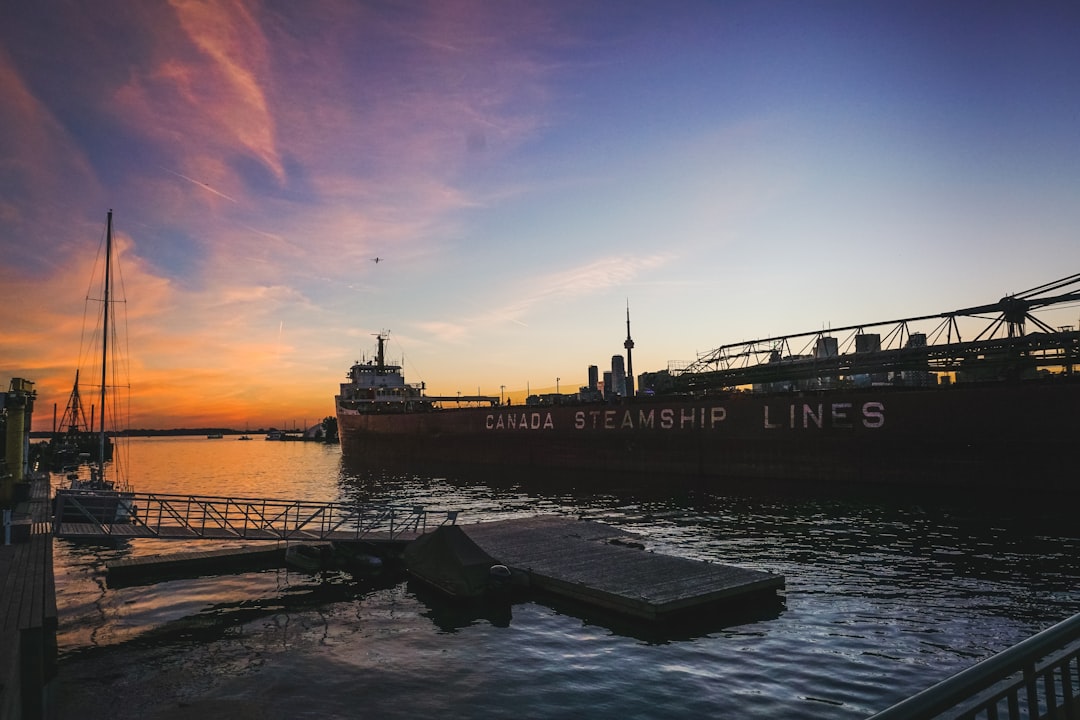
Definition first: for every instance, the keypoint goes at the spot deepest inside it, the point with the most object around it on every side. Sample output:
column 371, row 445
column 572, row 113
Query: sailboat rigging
column 100, row 498
column 75, row 441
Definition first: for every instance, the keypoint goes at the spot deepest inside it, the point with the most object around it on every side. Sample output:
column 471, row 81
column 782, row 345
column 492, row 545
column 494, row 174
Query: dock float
column 148, row 569
column 609, row 568
column 589, row 562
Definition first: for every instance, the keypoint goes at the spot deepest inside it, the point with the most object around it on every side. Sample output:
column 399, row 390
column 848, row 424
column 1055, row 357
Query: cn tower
column 629, row 345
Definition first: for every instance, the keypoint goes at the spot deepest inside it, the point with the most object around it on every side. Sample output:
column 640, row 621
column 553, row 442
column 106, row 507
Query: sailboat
column 75, row 442
column 102, row 497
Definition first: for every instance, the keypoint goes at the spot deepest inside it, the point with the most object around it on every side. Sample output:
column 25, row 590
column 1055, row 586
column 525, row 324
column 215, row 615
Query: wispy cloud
column 549, row 292
column 229, row 88
column 202, row 185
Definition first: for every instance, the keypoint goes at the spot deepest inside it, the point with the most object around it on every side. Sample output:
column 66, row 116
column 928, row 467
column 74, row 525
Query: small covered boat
column 308, row 557
column 448, row 560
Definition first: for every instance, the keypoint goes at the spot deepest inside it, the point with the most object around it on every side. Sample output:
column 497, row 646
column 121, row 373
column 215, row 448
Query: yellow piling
column 19, row 405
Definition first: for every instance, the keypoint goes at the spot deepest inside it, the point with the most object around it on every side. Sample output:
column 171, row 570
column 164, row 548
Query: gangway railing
column 191, row 517
column 1035, row 679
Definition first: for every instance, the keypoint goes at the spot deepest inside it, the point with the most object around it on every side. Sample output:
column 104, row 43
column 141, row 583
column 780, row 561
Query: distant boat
column 74, row 442
column 244, row 437
column 214, row 436
column 100, row 498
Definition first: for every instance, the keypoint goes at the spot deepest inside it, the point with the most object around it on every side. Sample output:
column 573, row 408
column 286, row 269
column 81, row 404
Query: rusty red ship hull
column 998, row 435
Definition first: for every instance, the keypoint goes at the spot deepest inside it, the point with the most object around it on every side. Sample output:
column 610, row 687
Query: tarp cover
column 449, row 560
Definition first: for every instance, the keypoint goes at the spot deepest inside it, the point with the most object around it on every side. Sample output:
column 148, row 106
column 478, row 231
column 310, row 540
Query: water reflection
column 451, row 615
column 886, row 593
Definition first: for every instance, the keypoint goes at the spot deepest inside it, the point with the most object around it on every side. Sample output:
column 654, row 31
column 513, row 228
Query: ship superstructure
column 378, row 387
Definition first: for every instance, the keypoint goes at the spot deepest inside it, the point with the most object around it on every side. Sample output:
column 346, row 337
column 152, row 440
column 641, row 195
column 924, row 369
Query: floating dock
column 589, row 562
column 148, row 569
column 606, row 567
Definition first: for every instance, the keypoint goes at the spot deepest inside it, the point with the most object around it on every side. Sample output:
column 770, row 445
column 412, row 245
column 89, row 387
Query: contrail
column 272, row 236
column 200, row 184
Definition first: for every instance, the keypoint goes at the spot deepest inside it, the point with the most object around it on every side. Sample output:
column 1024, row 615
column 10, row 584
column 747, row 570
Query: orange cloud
column 274, row 151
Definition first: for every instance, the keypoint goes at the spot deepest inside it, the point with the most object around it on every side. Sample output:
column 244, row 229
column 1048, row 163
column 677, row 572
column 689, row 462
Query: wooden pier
column 606, row 567
column 28, row 616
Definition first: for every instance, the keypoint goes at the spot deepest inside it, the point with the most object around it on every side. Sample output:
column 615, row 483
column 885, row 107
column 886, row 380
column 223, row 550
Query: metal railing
column 78, row 514
column 1037, row 679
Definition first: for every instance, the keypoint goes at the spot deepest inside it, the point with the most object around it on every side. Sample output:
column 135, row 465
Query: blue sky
column 732, row 170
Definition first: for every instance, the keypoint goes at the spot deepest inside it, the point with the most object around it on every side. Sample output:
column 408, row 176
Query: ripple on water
column 882, row 599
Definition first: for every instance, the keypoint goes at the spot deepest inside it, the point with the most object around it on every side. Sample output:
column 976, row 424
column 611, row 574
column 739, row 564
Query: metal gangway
column 129, row 515
column 1036, row 679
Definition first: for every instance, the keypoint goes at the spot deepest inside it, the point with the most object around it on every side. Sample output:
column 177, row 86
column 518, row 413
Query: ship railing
column 1037, row 679
column 212, row 517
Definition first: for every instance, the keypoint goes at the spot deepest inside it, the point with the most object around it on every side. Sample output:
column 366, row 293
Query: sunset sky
column 731, row 170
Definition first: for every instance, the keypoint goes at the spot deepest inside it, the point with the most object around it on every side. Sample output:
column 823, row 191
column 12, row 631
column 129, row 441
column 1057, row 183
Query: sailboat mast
column 105, row 342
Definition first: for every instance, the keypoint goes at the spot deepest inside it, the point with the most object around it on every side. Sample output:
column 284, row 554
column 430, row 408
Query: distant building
column 918, row 378
column 618, row 376
column 869, row 343
column 650, row 383
column 826, row 347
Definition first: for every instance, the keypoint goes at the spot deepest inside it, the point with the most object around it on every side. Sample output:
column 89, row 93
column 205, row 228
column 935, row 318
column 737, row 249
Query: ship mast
column 105, row 344
column 74, row 416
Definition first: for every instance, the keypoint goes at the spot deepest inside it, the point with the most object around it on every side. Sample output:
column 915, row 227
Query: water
column 884, row 596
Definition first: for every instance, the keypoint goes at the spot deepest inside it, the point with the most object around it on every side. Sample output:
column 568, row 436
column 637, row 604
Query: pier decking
column 28, row 615
column 604, row 566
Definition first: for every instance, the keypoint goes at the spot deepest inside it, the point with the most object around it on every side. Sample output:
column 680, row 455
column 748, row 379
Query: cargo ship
column 1000, row 410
